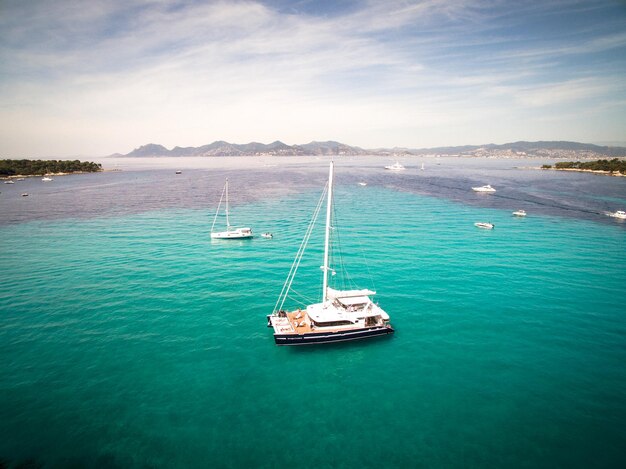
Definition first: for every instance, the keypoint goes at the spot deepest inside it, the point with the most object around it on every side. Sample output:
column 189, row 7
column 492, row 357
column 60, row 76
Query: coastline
column 594, row 171
column 16, row 176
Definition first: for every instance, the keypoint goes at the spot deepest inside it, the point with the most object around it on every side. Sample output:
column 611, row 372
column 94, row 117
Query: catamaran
column 231, row 232
column 342, row 315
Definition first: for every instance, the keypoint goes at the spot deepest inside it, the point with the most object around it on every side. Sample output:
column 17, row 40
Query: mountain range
column 278, row 148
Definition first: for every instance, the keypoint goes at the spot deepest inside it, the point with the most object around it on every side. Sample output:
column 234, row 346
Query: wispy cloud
column 380, row 73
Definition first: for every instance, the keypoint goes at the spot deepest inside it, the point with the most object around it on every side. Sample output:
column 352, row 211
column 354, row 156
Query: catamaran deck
column 298, row 322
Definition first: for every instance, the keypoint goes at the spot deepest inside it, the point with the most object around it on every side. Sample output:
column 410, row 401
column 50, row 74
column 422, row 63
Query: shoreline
column 593, row 171
column 16, row 176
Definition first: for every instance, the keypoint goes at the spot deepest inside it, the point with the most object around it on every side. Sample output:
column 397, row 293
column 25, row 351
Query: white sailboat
column 231, row 232
column 342, row 315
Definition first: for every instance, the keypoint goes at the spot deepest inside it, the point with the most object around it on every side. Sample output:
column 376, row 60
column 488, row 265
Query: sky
column 105, row 76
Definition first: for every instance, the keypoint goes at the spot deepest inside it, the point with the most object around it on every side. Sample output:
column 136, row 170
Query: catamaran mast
column 227, row 221
column 327, row 236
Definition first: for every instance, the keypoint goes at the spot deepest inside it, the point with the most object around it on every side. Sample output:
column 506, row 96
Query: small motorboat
column 46, row 179
column 10, row 181
column 362, row 183
column 485, row 225
column 519, row 213
column 395, row 167
column 267, row 235
column 25, row 194
column 486, row 188
column 179, row 172
column 619, row 214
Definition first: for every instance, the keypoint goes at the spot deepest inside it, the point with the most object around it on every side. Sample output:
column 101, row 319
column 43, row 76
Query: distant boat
column 267, row 235
column 485, row 225
column 362, row 183
column 179, row 172
column 230, row 233
column 342, row 315
column 619, row 214
column 25, row 194
column 46, row 179
column 486, row 188
column 520, row 213
column 10, row 181
column 422, row 168
column 395, row 167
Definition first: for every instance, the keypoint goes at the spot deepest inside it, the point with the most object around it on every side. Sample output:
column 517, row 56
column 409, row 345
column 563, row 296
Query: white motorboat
column 395, row 167
column 619, row 214
column 486, row 188
column 485, row 225
column 231, row 232
column 47, row 179
column 341, row 315
column 519, row 213
column 179, row 172
column 10, row 181
column 267, row 235
column 25, row 194
column 363, row 184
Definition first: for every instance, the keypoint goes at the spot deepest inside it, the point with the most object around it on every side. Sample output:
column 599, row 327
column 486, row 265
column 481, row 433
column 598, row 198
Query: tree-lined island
column 10, row 168
column 614, row 167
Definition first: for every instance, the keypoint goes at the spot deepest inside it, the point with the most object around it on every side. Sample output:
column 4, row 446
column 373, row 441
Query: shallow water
column 129, row 339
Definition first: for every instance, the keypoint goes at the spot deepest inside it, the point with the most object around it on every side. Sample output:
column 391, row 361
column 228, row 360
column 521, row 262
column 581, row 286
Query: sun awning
column 349, row 297
column 354, row 300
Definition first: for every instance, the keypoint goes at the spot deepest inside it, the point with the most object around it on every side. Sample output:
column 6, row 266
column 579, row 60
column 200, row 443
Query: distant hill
column 529, row 148
column 554, row 149
column 221, row 148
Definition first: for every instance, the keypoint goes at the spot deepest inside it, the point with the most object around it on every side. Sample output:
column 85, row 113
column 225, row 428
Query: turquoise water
column 134, row 340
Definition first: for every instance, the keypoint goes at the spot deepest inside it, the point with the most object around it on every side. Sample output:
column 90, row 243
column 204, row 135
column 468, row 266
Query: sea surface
column 129, row 338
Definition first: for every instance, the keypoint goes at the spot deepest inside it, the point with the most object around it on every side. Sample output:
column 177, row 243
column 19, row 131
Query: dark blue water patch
column 568, row 195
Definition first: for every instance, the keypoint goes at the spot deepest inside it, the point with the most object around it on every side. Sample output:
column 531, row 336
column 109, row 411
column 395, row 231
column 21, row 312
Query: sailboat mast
column 327, row 236
column 227, row 221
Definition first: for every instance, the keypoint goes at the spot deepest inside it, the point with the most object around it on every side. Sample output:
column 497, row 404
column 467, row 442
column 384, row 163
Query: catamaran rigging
column 342, row 314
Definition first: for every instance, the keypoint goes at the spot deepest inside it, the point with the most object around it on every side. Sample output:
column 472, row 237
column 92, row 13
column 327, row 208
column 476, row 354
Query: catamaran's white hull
column 313, row 338
column 321, row 336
